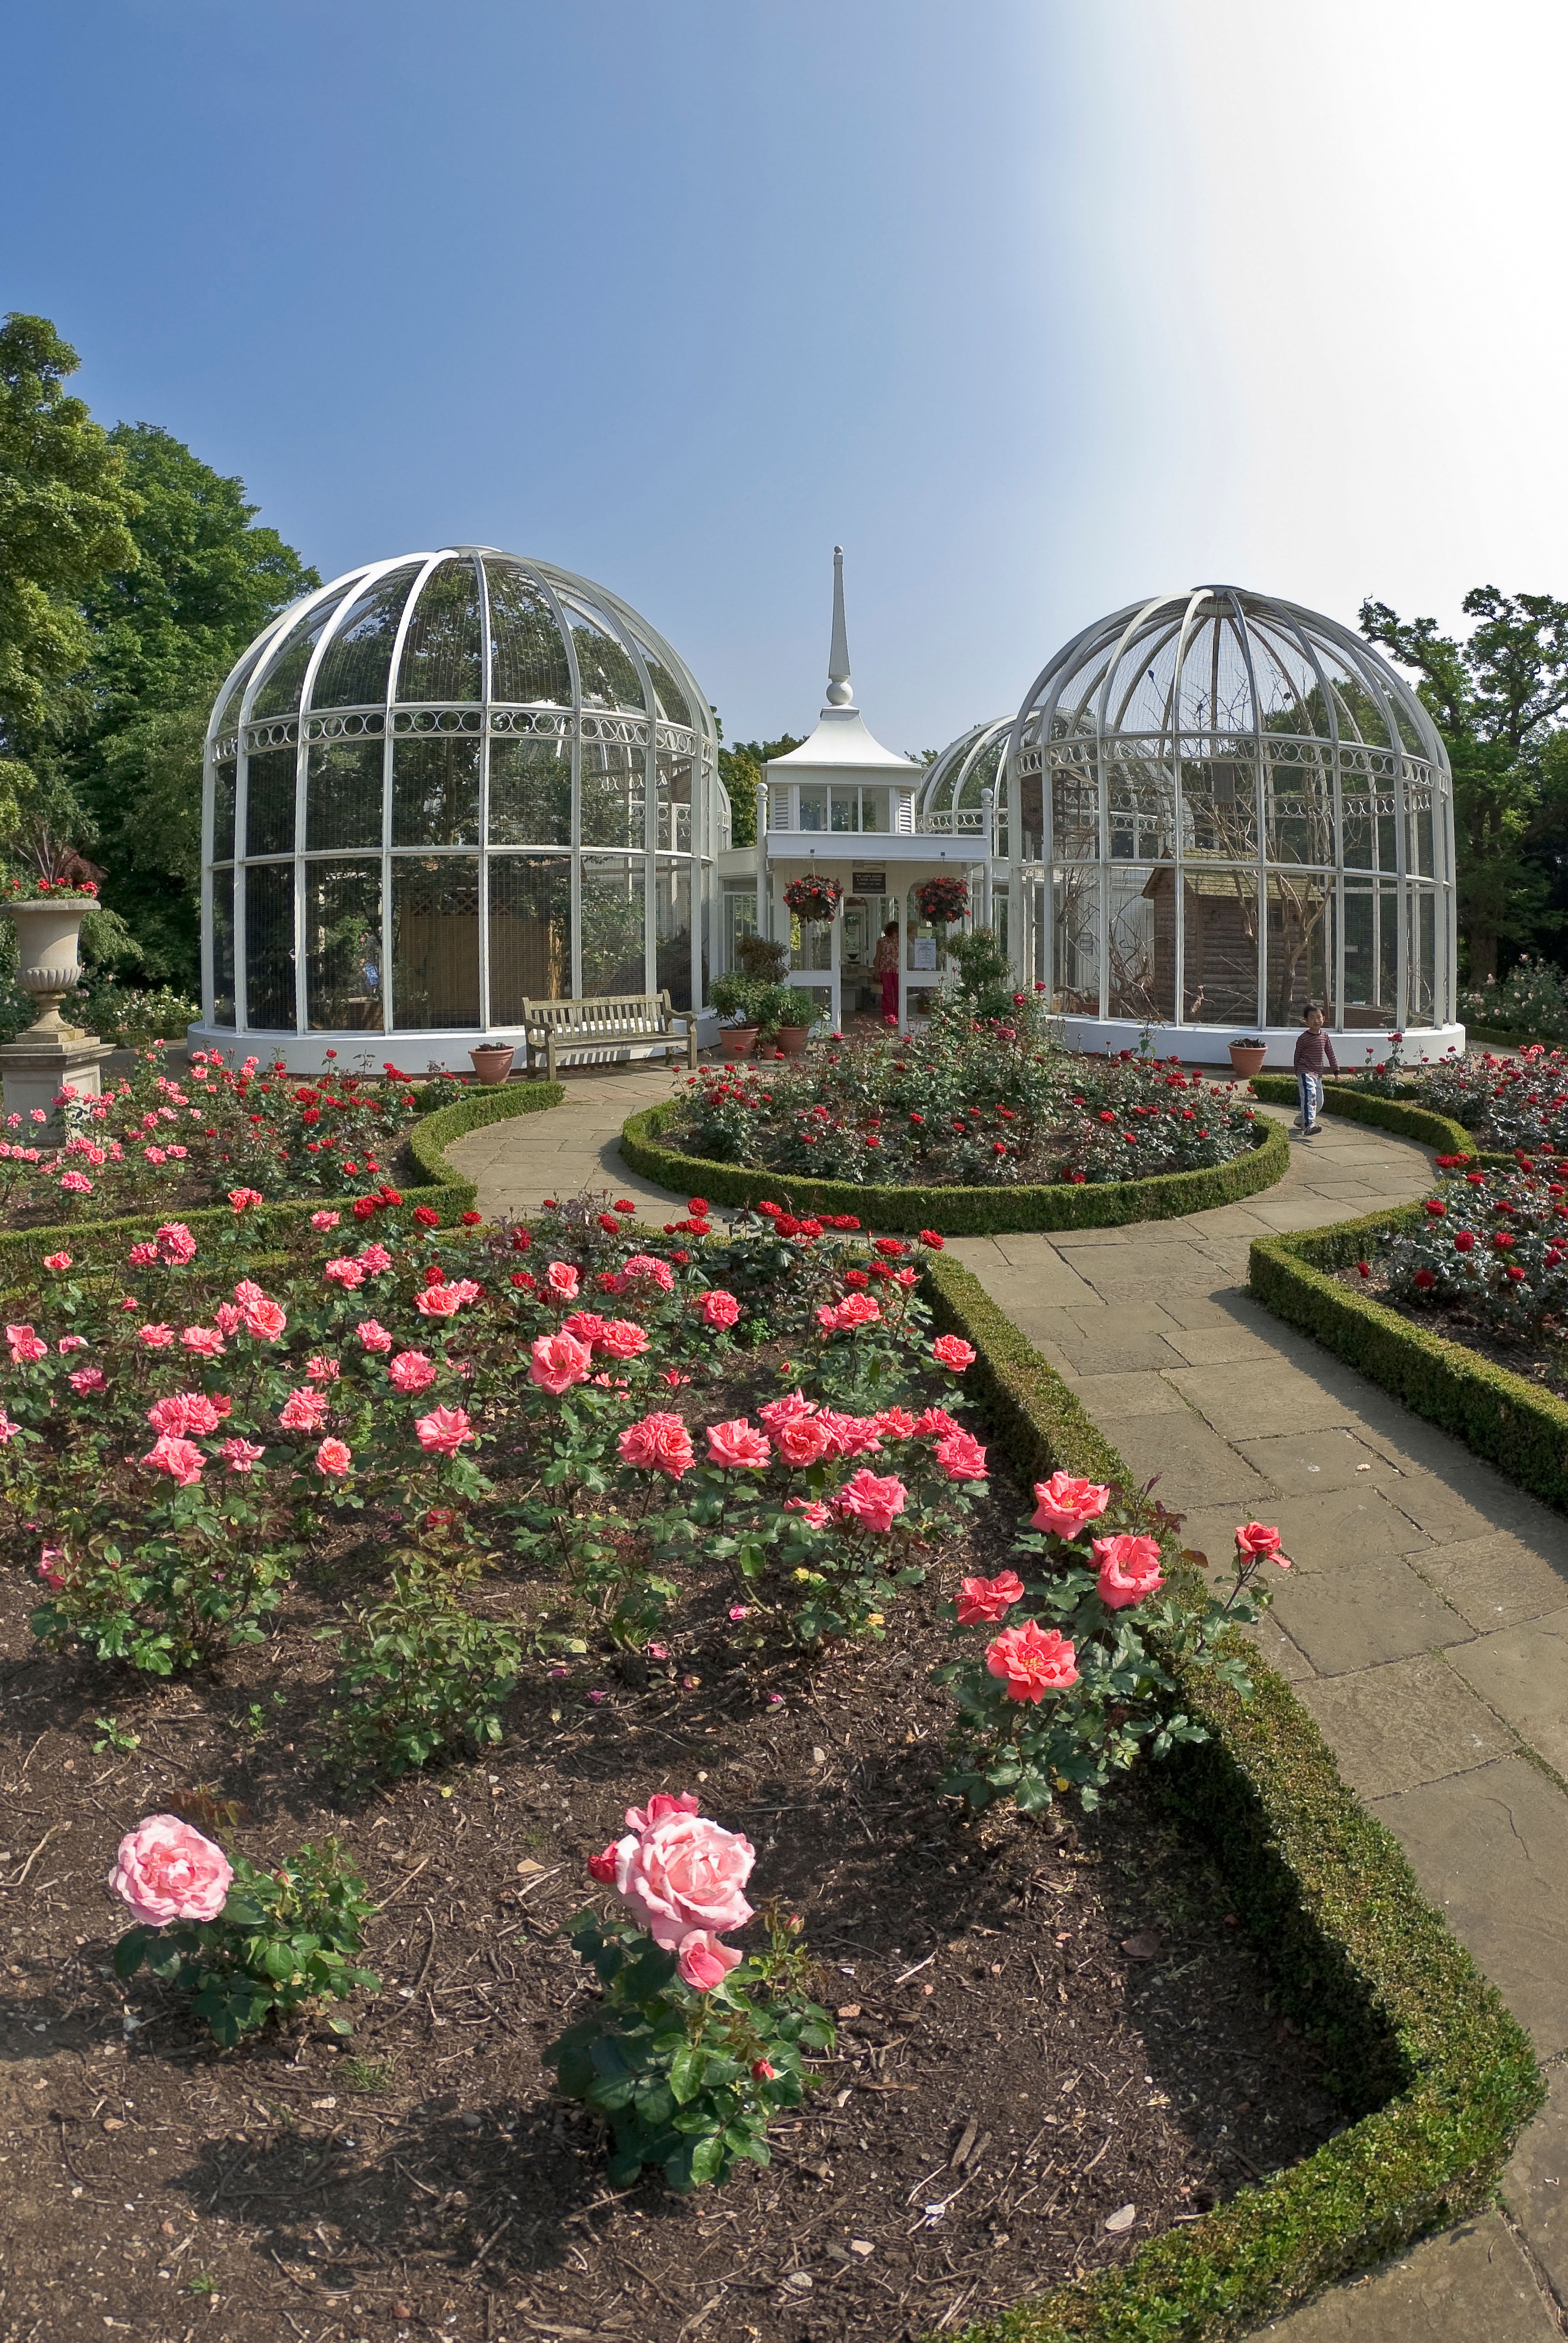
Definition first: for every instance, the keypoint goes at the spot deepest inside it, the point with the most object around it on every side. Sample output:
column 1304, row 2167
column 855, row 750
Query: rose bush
column 1492, row 1245
column 695, row 2046
column 1070, row 1688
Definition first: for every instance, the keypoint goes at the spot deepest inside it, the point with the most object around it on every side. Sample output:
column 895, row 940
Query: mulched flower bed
column 1041, row 2025
column 1543, row 1360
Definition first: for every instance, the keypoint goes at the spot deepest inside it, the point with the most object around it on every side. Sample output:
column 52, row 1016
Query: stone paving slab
column 1535, row 2184
column 1404, row 1726
column 1471, row 2284
column 1498, row 1579
column 1521, row 1673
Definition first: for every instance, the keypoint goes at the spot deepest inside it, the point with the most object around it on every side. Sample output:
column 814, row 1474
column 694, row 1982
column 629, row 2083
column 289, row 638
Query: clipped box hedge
column 1403, row 1117
column 1514, row 1423
column 1435, row 2076
column 94, row 1243
column 956, row 1212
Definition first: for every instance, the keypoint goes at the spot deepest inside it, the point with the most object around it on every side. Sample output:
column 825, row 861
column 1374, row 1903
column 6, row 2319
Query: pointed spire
column 840, row 691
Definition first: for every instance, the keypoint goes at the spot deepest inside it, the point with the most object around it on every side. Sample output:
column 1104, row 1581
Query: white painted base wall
column 1209, row 1045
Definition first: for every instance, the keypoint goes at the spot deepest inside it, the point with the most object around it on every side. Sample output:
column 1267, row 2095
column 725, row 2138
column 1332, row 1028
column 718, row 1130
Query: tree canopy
column 1499, row 697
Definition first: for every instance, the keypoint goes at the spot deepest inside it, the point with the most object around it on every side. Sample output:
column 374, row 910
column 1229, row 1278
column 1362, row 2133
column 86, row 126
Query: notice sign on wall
column 869, row 882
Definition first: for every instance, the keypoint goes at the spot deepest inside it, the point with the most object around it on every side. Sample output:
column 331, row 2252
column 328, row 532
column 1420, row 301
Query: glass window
column 527, row 657
column 277, row 694
column 614, row 786
column 223, row 948
column 672, row 901
column 1075, row 812
column 343, row 971
column 530, row 933
column 343, row 793
column 531, row 792
column 269, row 801
column 1076, row 976
column 270, row 948
column 674, row 785
column 355, row 664
column 672, row 700
column 441, row 648
column 435, row 790
column 874, row 809
column 813, row 806
column 845, row 809
column 223, row 787
column 739, row 920
column 609, row 673
column 613, row 926
column 435, row 942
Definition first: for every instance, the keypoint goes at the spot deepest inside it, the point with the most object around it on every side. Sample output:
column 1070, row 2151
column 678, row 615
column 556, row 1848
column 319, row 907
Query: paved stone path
column 1425, row 1624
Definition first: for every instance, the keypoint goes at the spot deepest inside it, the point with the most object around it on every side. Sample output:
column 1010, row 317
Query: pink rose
column 335, row 1458
column 949, row 1352
column 855, row 1310
column 660, row 1442
column 935, row 1424
column 444, row 1430
column 59, row 1261
column 167, row 1871
column 800, row 1439
column 849, row 1435
column 662, row 1802
column 374, row 1259
column 345, row 1271
column 562, row 1281
column 1129, row 1569
column 703, row 1961
column 88, row 1379
column 25, row 1346
column 1031, row 1662
column 321, row 1369
column 874, row 1504
column 602, row 1867
column 557, row 1362
column 204, row 1340
column 791, row 1408
column 374, row 1337
column 303, row 1410
column 811, row 1510
column 1064, row 1505
column 176, row 1243
column 680, row 1872
column 142, row 1256
column 266, row 1319
column 183, row 1411
column 438, row 1302
column 584, row 1327
column 1254, row 1542
column 410, row 1371
column 895, row 1424
column 157, row 1338
column 738, row 1443
column 228, row 1318
column 644, row 1267
column 241, row 1455
column 325, row 1220
column 961, row 1457
column 987, row 1598
column 719, row 1309
column 622, row 1339
column 178, row 1458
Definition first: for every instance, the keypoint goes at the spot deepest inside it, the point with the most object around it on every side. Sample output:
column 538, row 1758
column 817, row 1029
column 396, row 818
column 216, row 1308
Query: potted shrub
column 493, row 1059
column 1247, row 1057
column 793, row 1020
column 737, row 997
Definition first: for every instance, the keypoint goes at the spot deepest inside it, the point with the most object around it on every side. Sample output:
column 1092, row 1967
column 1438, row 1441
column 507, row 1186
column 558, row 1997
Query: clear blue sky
column 1034, row 307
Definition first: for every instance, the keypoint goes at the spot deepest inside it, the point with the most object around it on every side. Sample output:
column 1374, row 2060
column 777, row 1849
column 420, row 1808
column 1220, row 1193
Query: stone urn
column 51, row 1056
column 493, row 1060
column 1247, row 1059
column 48, row 940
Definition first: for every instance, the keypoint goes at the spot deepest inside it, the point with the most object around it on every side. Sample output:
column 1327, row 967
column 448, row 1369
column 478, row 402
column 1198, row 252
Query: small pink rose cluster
column 682, row 1878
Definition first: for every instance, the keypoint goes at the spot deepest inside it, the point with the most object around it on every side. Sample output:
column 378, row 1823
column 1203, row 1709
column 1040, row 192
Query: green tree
column 65, row 510
column 741, row 770
column 162, row 629
column 1498, row 699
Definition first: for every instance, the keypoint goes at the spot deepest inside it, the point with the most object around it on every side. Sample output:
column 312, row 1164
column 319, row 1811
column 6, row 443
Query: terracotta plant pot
column 1245, row 1063
column 792, row 1038
column 737, row 1041
column 493, row 1060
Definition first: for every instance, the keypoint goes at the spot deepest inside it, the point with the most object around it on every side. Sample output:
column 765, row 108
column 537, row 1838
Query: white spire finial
column 840, row 691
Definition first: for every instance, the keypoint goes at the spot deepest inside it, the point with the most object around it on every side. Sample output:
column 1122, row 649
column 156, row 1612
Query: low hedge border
column 1437, row 2077
column 1404, row 1119
column 92, row 1242
column 1515, row 1425
column 956, row 1212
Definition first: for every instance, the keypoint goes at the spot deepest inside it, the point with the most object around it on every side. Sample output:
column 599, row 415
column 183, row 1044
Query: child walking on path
column 1312, row 1049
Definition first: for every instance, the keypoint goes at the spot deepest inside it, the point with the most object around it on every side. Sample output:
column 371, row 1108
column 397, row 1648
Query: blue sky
column 1036, row 308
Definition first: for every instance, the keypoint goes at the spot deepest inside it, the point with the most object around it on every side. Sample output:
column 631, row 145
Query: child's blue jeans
column 1310, row 1087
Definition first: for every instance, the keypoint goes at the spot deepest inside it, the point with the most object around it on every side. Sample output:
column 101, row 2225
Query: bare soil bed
column 1041, row 2027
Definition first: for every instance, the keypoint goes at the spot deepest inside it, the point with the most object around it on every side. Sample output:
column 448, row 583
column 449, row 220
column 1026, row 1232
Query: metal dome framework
column 444, row 785
column 1240, row 806
column 951, row 797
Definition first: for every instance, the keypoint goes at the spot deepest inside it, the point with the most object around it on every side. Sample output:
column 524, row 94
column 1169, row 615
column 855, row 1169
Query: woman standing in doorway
column 885, row 964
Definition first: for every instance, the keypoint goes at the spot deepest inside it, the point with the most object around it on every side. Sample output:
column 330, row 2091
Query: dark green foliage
column 283, row 1939
column 1512, row 1423
column 1436, row 2074
column 956, row 1212
column 672, row 2071
column 421, row 1675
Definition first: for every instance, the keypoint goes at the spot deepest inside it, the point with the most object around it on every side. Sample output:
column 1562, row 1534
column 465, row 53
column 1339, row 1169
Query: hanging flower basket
column 813, row 899
column 941, row 900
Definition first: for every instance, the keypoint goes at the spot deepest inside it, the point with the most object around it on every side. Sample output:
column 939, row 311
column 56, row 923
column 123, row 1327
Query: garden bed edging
column 956, row 1212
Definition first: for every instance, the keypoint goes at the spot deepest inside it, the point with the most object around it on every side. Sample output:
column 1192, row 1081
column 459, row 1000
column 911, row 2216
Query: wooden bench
column 604, row 1032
